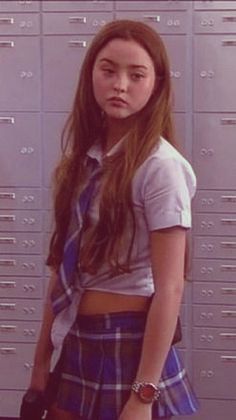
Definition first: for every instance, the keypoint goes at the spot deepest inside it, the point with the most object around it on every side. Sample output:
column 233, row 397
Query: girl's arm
column 167, row 258
column 44, row 346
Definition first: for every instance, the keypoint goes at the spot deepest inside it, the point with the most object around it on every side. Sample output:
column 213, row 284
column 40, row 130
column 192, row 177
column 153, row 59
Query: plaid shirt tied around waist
column 67, row 292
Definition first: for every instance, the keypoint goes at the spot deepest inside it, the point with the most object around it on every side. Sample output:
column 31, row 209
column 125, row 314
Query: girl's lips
column 117, row 100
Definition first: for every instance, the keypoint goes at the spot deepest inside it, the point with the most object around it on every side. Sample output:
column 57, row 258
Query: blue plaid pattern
column 100, row 358
column 62, row 295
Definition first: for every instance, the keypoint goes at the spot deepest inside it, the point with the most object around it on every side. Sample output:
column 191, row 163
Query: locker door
column 214, row 73
column 19, row 6
column 177, row 51
column 215, row 224
column 212, row 148
column 21, row 152
column 60, row 74
column 76, row 5
column 215, row 201
column 152, row 5
column 20, row 73
column 52, row 128
column 214, row 5
column 214, row 372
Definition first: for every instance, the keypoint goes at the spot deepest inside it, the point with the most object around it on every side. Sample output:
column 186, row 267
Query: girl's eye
column 108, row 71
column 137, row 76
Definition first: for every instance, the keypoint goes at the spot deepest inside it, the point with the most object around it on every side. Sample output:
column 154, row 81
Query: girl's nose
column 120, row 84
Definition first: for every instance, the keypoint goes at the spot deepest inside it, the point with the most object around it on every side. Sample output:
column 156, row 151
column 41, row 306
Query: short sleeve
column 168, row 189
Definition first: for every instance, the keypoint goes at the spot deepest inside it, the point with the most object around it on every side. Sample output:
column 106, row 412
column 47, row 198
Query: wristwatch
column 146, row 391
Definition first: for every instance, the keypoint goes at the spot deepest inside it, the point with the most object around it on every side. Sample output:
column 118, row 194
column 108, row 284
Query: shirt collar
column 95, row 151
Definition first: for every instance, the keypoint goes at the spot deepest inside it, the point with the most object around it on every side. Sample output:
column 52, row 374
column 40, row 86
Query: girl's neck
column 115, row 131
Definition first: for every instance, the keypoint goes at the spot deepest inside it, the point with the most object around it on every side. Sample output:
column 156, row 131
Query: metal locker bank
column 42, row 45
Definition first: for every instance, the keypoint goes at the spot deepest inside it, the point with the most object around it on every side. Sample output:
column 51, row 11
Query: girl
column 122, row 208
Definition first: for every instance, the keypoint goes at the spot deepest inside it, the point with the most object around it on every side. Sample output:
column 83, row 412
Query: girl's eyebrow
column 107, row 60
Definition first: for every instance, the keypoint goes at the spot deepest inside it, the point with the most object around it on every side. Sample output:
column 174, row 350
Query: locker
column 20, row 243
column 20, row 140
column 60, row 72
column 209, row 292
column 48, row 221
column 214, row 139
column 19, row 356
column 214, row 5
column 214, row 63
column 215, row 247
column 214, row 374
column 21, row 265
column 215, row 201
column 177, row 51
column 19, row 331
column 180, row 128
column 214, row 270
column 74, row 23
column 75, row 5
column 215, row 22
column 19, row 24
column 214, row 315
column 29, row 287
column 218, row 409
column 52, row 129
column 10, row 402
column 47, row 198
column 20, row 73
column 152, row 5
column 20, row 198
column 20, row 221
column 215, row 224
column 20, row 309
column 214, row 338
column 19, row 6
column 171, row 22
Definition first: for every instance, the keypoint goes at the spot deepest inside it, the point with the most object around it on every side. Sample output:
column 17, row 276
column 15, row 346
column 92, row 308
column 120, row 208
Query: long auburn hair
column 85, row 125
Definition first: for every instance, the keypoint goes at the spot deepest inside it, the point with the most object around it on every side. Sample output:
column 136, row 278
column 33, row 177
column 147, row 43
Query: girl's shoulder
column 165, row 167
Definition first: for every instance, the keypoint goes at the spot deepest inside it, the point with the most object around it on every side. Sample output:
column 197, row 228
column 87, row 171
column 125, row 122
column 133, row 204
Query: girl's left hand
column 136, row 410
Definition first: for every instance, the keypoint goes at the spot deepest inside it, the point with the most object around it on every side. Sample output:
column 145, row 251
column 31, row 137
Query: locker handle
column 7, row 263
column 228, row 121
column 7, row 284
column 8, row 241
column 230, row 245
column 228, row 335
column 228, row 198
column 228, row 221
column 78, row 19
column 229, row 42
column 7, row 20
column 153, row 18
column 8, row 350
column 7, row 196
column 7, row 218
column 7, row 44
column 7, row 328
column 229, row 267
column 80, row 44
column 228, row 313
column 8, row 306
column 7, row 120
column 228, row 358
column 229, row 19
column 228, row 290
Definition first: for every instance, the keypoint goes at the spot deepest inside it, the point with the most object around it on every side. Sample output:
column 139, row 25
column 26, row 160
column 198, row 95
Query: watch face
column 147, row 393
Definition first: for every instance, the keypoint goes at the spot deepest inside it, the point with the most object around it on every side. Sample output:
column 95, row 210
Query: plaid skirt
column 98, row 364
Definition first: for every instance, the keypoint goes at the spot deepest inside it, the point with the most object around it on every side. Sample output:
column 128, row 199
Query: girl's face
column 123, row 78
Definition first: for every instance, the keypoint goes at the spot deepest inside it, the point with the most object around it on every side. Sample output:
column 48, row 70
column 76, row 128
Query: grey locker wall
column 42, row 45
